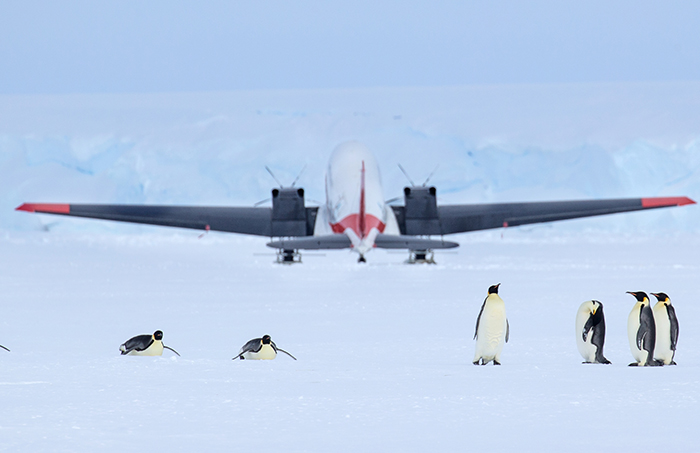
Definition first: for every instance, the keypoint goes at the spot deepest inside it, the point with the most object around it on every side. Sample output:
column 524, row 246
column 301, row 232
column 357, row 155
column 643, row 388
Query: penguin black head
column 494, row 289
column 660, row 296
column 640, row 295
column 158, row 335
column 266, row 339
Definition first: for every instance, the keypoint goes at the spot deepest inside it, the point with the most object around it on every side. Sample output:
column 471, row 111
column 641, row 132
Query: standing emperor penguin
column 666, row 329
column 491, row 329
column 590, row 332
column 641, row 331
column 145, row 345
column 260, row 349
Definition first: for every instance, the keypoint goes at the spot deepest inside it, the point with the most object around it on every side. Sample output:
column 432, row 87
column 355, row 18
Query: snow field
column 384, row 349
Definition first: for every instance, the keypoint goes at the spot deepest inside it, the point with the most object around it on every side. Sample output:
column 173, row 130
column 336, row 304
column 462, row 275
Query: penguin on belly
column 492, row 329
column 145, row 345
column 260, row 349
column 666, row 329
column 641, row 331
column 590, row 332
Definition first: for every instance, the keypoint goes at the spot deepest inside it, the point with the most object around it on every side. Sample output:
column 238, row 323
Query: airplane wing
column 246, row 220
column 450, row 219
column 389, row 241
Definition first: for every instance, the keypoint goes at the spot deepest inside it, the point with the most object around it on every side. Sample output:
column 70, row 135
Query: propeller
column 279, row 183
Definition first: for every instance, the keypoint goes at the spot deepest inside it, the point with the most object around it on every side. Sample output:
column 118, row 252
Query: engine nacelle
column 421, row 211
column 288, row 212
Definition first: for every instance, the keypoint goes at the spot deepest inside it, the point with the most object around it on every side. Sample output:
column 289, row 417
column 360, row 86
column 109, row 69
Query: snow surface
column 384, row 349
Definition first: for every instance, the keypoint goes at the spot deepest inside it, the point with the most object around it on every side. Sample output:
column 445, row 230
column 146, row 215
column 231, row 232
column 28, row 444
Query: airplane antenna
column 431, row 175
column 406, row 175
column 273, row 176
column 298, row 176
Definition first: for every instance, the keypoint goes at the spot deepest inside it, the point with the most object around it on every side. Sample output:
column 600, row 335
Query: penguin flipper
column 674, row 326
column 507, row 331
column 282, row 350
column 641, row 333
column 1, row 346
column 168, row 347
column 478, row 318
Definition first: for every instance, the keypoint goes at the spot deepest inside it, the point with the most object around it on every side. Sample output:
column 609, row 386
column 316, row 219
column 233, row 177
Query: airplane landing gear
column 420, row 257
column 288, row 256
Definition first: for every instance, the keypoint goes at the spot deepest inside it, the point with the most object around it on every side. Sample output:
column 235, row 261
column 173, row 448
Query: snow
column 384, row 349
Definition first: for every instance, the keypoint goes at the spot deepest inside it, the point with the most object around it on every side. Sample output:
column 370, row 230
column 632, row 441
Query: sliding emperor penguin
column 148, row 345
column 641, row 331
column 590, row 332
column 492, row 329
column 666, row 329
column 260, row 349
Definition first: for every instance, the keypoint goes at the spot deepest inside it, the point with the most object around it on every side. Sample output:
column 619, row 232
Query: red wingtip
column 657, row 202
column 54, row 208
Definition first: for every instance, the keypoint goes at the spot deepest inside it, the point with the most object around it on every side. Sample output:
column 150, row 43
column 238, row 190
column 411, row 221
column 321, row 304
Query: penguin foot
column 634, row 364
column 495, row 362
column 476, row 363
column 673, row 363
column 604, row 361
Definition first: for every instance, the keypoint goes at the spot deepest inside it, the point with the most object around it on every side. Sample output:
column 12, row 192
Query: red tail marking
column 657, row 202
column 54, row 208
column 362, row 220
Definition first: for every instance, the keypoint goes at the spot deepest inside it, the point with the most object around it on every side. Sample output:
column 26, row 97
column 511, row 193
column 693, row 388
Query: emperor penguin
column 145, row 345
column 590, row 332
column 260, row 349
column 666, row 329
column 491, row 329
column 641, row 331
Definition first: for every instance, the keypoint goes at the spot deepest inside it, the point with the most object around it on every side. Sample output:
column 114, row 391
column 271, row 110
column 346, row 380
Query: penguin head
column 661, row 297
column 266, row 339
column 641, row 296
column 158, row 335
column 494, row 289
column 595, row 306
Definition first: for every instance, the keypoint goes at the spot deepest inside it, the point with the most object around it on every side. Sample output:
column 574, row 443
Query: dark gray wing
column 507, row 330
column 478, row 318
column 138, row 343
column 451, row 219
column 674, row 326
column 245, row 220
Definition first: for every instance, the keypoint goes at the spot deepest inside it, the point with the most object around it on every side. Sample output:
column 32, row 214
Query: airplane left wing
column 246, row 220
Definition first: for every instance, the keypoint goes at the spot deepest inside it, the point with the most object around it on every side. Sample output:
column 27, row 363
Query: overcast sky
column 156, row 46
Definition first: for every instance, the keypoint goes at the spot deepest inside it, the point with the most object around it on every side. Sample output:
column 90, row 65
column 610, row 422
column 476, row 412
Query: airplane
column 356, row 215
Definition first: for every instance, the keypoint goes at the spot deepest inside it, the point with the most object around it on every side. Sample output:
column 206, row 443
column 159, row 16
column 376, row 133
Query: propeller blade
column 406, row 175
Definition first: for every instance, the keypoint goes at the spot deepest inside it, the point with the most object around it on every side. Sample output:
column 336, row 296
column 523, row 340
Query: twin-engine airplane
column 355, row 215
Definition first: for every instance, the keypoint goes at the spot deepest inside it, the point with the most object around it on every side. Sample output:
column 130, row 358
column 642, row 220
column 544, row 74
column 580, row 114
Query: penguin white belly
column 662, row 350
column 156, row 348
column 266, row 353
column 585, row 348
column 491, row 335
column 639, row 355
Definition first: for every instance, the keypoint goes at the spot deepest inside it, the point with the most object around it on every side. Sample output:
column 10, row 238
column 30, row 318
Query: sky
column 110, row 46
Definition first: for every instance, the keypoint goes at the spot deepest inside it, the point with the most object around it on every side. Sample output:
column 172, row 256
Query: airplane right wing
column 424, row 217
